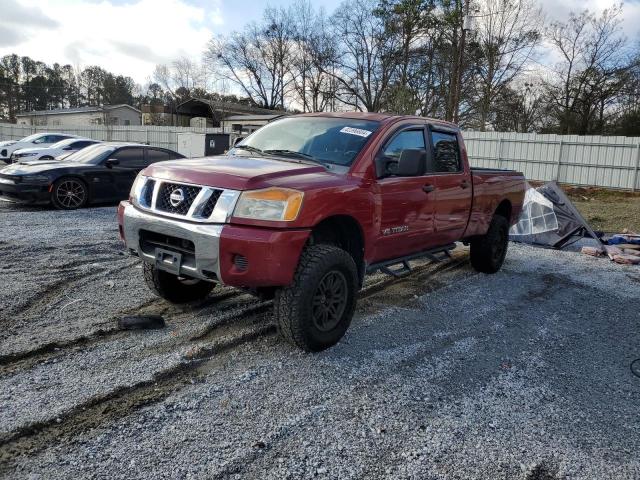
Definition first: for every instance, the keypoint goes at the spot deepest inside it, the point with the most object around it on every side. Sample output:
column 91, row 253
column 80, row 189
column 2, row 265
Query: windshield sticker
column 356, row 131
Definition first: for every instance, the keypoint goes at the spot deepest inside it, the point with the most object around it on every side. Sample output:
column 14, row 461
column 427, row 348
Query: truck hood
column 235, row 172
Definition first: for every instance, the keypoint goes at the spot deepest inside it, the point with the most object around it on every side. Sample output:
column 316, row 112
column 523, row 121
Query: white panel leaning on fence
column 165, row 137
column 580, row 160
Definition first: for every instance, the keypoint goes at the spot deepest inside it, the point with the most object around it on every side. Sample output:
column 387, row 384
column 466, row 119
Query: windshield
column 322, row 139
column 31, row 138
column 92, row 155
column 63, row 143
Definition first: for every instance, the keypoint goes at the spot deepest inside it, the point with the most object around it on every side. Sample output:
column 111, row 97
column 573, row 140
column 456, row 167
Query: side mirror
column 112, row 162
column 411, row 163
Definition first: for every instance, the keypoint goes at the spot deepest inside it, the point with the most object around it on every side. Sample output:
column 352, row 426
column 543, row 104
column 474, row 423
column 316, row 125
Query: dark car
column 98, row 173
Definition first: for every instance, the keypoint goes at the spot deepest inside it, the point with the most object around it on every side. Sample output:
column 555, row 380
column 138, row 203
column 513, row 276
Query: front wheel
column 69, row 194
column 173, row 288
column 315, row 311
column 488, row 251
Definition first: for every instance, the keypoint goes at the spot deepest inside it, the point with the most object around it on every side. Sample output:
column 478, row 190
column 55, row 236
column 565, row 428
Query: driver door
column 405, row 211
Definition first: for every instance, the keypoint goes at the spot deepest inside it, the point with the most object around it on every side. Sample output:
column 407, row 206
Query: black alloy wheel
column 329, row 301
column 69, row 194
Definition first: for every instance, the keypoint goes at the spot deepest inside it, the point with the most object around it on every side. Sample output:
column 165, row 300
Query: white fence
column 579, row 160
column 166, row 137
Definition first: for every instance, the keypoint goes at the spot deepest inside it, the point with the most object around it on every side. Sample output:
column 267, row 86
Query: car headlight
column 35, row 179
column 279, row 204
column 135, row 195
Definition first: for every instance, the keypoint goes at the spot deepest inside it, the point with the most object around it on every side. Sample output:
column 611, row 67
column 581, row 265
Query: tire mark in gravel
column 26, row 359
column 117, row 403
column 51, row 291
column 121, row 401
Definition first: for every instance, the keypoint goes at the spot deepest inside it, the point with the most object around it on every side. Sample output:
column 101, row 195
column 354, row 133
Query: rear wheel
column 488, row 252
column 69, row 194
column 315, row 311
column 173, row 288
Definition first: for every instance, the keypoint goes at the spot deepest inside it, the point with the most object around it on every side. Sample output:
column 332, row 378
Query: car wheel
column 69, row 193
column 173, row 288
column 315, row 311
column 488, row 252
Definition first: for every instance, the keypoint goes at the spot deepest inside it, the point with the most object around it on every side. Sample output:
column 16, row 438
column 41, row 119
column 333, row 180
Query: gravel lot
column 445, row 374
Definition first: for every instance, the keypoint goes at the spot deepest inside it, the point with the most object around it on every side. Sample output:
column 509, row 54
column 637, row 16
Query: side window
column 130, row 157
column 40, row 140
column 81, row 144
column 404, row 140
column 446, row 153
column 154, row 156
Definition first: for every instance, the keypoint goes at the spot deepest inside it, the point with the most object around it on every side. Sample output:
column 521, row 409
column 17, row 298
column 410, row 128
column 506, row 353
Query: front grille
column 211, row 203
column 189, row 194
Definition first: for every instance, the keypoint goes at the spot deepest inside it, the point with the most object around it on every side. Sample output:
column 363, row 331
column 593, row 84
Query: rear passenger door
column 452, row 179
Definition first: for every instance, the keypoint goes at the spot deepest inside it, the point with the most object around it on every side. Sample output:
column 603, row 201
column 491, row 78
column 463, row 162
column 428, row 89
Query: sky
column 129, row 37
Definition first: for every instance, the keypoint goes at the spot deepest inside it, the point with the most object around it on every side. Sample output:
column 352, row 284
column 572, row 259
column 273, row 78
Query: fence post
column 559, row 160
column 499, row 153
column 636, row 168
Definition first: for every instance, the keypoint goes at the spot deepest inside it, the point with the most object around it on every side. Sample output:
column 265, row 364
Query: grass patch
column 605, row 209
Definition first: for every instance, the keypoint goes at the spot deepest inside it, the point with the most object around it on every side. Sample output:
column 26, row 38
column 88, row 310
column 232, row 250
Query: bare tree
column 506, row 34
column 364, row 59
column 258, row 59
column 588, row 77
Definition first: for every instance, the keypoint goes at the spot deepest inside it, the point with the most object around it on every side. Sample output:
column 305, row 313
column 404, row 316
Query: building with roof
column 202, row 112
column 103, row 115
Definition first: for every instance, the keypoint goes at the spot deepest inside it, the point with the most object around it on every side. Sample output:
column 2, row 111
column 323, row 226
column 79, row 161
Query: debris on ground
column 549, row 219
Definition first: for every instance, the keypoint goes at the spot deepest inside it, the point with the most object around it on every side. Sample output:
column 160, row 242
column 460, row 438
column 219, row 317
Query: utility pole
column 460, row 61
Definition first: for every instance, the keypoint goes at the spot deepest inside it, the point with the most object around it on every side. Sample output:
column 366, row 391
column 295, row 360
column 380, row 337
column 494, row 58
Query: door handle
column 465, row 184
column 428, row 188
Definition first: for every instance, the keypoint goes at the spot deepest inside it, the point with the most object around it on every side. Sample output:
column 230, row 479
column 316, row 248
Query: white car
column 68, row 146
column 35, row 140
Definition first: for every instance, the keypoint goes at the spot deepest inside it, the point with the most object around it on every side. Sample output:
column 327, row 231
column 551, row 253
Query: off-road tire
column 69, row 183
column 489, row 250
column 294, row 304
column 173, row 288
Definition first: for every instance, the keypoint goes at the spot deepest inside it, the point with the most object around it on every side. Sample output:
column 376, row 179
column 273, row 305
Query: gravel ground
column 445, row 374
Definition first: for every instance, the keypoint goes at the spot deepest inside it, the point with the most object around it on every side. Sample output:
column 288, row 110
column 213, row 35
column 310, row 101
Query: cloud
column 26, row 16
column 126, row 38
column 10, row 36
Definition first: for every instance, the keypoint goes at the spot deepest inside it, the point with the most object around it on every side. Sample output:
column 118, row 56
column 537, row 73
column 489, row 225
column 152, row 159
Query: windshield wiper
column 249, row 148
column 292, row 153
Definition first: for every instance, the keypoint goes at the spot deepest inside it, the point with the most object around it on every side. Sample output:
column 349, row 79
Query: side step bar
column 435, row 255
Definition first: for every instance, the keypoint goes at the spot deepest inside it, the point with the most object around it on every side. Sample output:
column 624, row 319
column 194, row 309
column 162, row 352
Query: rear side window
column 159, row 156
column 409, row 139
column 446, row 153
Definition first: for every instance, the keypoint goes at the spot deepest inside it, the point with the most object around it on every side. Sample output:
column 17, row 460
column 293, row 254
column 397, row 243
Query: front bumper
column 24, row 193
column 207, row 251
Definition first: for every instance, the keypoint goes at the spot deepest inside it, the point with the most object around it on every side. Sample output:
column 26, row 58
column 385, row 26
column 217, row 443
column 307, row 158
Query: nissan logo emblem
column 176, row 197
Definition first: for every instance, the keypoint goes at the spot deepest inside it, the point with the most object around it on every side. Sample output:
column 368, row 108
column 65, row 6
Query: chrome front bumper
column 203, row 264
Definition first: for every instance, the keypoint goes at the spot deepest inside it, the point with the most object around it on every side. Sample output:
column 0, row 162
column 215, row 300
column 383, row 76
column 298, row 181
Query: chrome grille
column 198, row 203
column 211, row 204
column 189, row 194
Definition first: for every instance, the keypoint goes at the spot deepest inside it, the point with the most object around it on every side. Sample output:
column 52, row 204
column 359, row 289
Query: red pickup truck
column 307, row 205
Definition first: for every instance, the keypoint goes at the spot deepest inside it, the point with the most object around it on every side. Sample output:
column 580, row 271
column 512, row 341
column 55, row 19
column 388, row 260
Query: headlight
column 35, row 179
column 269, row 204
column 135, row 195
